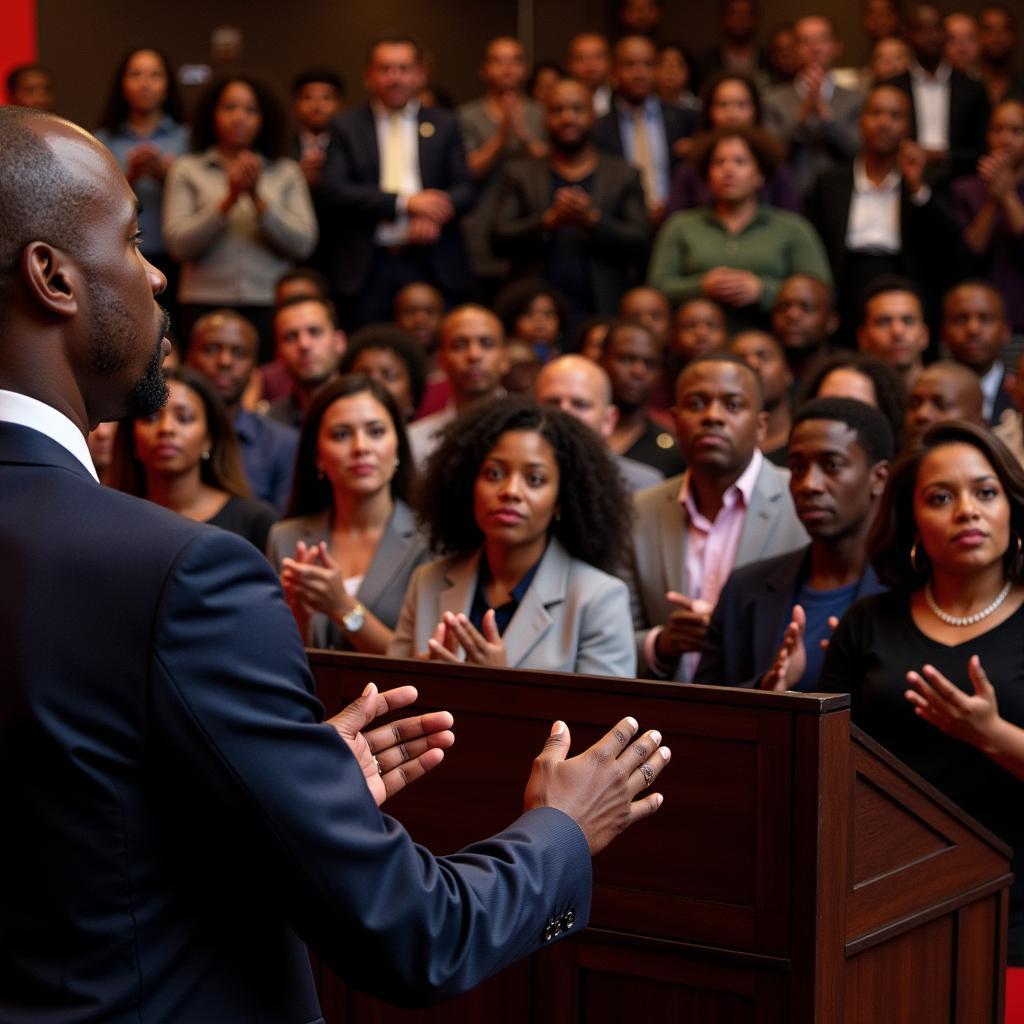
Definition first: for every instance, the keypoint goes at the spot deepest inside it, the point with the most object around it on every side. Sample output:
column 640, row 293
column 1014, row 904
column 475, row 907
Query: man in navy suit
column 177, row 815
column 394, row 183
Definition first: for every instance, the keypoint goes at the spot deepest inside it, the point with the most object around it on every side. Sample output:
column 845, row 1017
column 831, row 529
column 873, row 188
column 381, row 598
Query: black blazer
column 616, row 248
column 177, row 818
column 353, row 204
column 679, row 123
column 968, row 119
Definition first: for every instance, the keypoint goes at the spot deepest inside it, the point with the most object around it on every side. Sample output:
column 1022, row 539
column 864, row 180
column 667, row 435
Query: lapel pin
column 426, row 129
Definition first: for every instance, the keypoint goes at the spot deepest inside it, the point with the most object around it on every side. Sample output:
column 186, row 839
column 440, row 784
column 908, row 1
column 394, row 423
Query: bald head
column 943, row 391
column 581, row 388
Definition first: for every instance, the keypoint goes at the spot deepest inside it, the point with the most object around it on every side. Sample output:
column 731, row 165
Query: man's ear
column 52, row 278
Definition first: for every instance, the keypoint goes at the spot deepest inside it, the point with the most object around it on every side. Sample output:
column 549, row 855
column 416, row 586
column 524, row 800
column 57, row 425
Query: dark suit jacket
column 616, row 247
column 678, row 122
column 177, row 815
column 968, row 120
column 751, row 617
column 353, row 204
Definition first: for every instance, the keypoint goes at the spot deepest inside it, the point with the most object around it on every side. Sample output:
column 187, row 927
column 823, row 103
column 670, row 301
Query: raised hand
column 598, row 788
column 686, row 627
column 791, row 661
column 973, row 718
column 486, row 648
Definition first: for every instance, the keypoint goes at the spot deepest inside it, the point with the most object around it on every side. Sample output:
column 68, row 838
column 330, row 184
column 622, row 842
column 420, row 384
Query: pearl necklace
column 964, row 620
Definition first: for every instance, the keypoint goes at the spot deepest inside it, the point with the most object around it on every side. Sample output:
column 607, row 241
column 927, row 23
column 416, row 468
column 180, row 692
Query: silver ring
column 380, row 771
column 647, row 772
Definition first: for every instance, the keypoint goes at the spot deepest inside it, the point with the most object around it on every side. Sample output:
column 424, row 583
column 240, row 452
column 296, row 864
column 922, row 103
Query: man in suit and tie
column 730, row 507
column 393, row 186
column 178, row 817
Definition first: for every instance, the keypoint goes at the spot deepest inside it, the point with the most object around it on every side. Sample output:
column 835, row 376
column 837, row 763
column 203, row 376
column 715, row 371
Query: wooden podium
column 797, row 873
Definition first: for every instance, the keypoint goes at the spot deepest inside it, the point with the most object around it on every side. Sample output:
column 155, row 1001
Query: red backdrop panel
column 17, row 37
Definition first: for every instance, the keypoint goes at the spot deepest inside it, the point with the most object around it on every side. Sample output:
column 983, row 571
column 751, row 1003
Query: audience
column 803, row 321
column 101, row 447
column 533, row 312
column 673, row 78
column 418, row 310
column 997, row 35
column 649, row 307
column 30, row 85
column 589, row 63
column 546, row 74
column 317, row 96
column 738, row 50
column 783, row 59
column 962, row 51
column 389, row 356
column 529, row 511
column 890, row 57
column 942, row 391
column 1010, row 428
column 698, row 329
column 766, row 357
column 350, row 545
column 892, row 326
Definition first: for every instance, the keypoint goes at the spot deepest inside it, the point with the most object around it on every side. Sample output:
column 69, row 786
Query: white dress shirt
column 931, row 105
column 29, row 412
column 396, row 232
column 874, row 223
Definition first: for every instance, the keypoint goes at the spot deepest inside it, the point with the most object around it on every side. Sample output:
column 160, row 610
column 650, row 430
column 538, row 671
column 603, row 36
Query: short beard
column 571, row 148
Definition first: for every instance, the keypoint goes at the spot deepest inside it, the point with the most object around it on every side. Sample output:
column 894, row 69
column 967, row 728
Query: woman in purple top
column 730, row 99
column 990, row 205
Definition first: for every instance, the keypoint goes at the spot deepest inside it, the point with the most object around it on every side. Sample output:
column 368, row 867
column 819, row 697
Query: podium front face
column 796, row 873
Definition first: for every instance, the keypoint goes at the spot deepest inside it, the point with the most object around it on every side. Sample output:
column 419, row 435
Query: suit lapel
column 390, row 557
column 460, row 580
column 26, row 446
column 532, row 619
column 673, row 522
column 370, row 148
column 759, row 523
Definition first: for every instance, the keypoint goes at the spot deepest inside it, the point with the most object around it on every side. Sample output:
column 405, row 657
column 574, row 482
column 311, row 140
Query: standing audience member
column 499, row 126
column 310, row 347
column 186, row 458
column 976, row 332
column 736, row 252
column 639, row 17
column 389, row 356
column 775, row 617
column 962, row 51
column 803, row 322
column 881, row 19
column 589, row 63
column 892, row 326
column 632, row 358
column 223, row 349
column 738, row 51
column 349, row 545
column 730, row 507
column 815, row 118
column 783, row 58
column 576, row 218
column 579, row 387
column 317, row 97
column 472, row 355
column 544, row 76
column 30, row 85
column 673, row 78
column 942, row 391
column 890, row 57
column 765, row 356
column 237, row 213
column 529, row 511
column 394, row 185
column 997, row 34
column 941, row 653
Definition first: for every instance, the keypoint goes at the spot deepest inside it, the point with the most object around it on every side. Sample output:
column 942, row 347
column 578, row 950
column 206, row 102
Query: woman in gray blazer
column 349, row 546
column 530, row 510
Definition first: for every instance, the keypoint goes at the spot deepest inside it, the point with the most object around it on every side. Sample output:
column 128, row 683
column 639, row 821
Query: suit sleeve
column 517, row 231
column 459, row 182
column 289, row 223
column 606, row 644
column 342, row 193
column 192, row 222
column 231, row 704
column 623, row 232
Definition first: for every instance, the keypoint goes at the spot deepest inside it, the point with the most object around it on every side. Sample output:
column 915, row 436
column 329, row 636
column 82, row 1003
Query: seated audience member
column 639, row 17
column 237, row 213
column 803, row 322
column 389, row 356
column 589, row 338
column 304, row 281
column 501, row 125
column 783, row 59
column 976, row 332
column 649, row 307
column 941, row 652
column 534, row 312
column 419, row 310
column 576, row 218
column 223, row 349
column 589, row 63
column 876, row 215
column 990, row 205
column 632, row 358
column 186, row 458
column 393, row 187
column 942, row 391
column 881, row 19
column 141, row 125
column 698, row 329
column 890, row 57
column 673, row 79
column 349, row 545
column 997, row 34
column 317, row 96
column 523, row 366
column 892, row 326
column 472, row 355
column 530, row 513
column 765, row 356
column 815, row 118
column 730, row 507
column 861, row 377
column 101, row 447
column 544, row 76
column 30, row 85
column 948, row 110
column 962, row 49
column 1010, row 428
column 774, row 618
column 650, row 134
column 738, row 50
column 737, row 251
column 579, row 387
column 730, row 99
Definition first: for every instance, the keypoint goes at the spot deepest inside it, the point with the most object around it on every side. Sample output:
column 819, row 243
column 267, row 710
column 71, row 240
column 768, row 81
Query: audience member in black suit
column 393, row 186
column 803, row 322
column 317, row 96
column 766, row 357
column 186, row 458
column 576, row 218
column 772, row 617
column 948, row 110
column 876, row 215
column 942, row 391
column 997, row 33
column 652, row 135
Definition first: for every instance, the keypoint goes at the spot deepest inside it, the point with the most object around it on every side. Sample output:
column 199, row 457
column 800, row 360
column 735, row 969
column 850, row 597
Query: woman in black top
column 935, row 668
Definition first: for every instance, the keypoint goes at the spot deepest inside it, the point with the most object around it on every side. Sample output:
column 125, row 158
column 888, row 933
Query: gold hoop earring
column 913, row 560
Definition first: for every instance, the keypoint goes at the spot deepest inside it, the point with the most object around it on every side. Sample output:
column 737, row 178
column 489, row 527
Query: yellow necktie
column 642, row 156
column 393, row 161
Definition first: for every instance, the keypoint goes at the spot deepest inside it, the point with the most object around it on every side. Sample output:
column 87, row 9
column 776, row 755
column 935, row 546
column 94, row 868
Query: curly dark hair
column 594, row 509
column 514, row 300
column 710, row 87
column 310, row 492
column 269, row 143
column 391, row 339
column 763, row 148
column 894, row 529
column 115, row 111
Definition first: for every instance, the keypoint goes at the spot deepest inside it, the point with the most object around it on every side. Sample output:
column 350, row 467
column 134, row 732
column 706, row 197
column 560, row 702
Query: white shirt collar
column 863, row 184
column 411, row 111
column 29, row 412
column 941, row 76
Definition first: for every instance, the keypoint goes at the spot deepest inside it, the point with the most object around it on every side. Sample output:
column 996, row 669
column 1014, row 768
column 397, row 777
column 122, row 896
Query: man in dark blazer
column 576, row 217
column 392, row 188
column 178, row 817
column 636, row 109
column 839, row 454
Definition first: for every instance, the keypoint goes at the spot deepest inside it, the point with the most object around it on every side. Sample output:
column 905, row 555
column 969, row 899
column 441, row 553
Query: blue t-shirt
column 818, row 605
